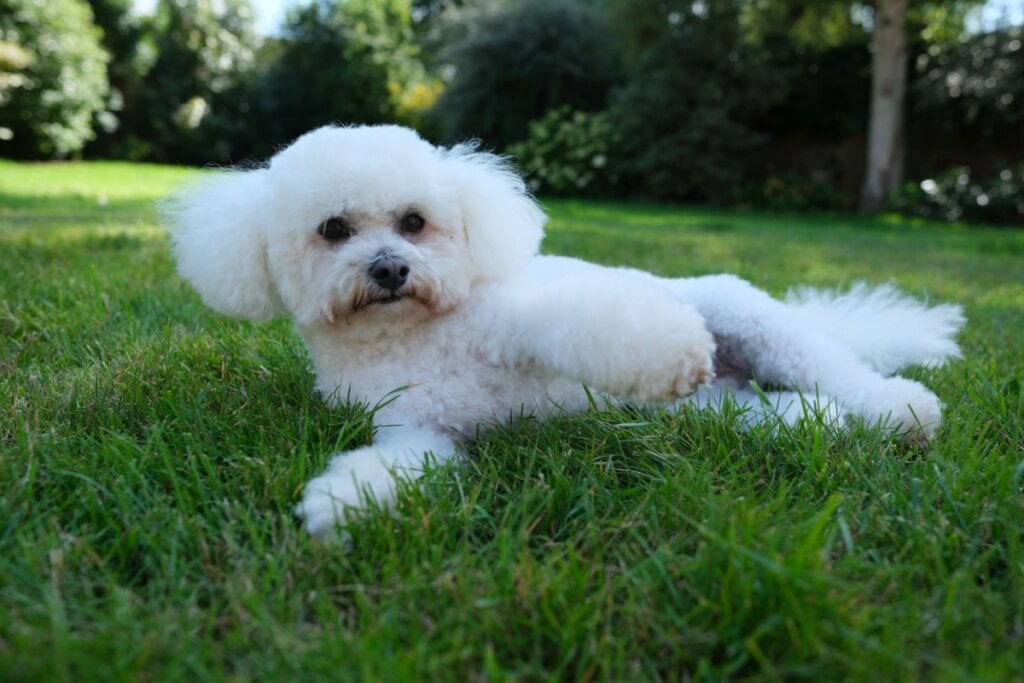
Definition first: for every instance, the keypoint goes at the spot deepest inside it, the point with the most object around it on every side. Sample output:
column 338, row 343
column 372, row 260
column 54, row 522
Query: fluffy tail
column 885, row 327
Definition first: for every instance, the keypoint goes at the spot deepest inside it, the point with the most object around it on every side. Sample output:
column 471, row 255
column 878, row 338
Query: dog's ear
column 218, row 228
column 504, row 225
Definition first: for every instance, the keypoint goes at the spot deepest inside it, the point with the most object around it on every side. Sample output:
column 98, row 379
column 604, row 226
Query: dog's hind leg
column 757, row 407
column 762, row 339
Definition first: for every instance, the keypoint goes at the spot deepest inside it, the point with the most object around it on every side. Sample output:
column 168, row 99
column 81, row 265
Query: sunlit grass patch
column 151, row 452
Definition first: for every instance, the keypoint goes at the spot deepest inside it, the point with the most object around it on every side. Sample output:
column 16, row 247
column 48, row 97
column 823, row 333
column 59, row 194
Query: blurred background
column 744, row 103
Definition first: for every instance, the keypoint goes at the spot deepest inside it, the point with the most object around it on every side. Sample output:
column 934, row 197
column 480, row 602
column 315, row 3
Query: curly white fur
column 472, row 325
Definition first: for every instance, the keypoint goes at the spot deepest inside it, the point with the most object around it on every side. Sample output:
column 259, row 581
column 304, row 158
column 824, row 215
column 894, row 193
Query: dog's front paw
column 324, row 504
column 695, row 366
column 689, row 371
column 330, row 499
column 679, row 361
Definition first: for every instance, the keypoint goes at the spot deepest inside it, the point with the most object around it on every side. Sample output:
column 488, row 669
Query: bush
column 687, row 116
column 53, row 77
column 792, row 192
column 339, row 61
column 567, row 153
column 973, row 88
column 513, row 62
column 953, row 195
column 124, row 36
column 828, row 91
column 186, row 107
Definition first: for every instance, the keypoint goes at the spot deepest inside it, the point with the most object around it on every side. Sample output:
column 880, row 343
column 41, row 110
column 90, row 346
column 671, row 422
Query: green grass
column 151, row 451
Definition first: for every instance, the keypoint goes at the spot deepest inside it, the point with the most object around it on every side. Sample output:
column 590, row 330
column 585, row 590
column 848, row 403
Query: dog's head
column 353, row 222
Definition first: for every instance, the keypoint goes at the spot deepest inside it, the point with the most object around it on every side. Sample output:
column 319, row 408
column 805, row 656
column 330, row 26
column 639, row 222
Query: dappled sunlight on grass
column 91, row 181
column 112, row 234
column 35, row 197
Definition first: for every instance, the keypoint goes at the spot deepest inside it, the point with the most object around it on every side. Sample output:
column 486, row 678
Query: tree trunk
column 888, row 92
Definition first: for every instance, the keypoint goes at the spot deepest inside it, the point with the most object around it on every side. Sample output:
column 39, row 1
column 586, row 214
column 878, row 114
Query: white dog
column 414, row 268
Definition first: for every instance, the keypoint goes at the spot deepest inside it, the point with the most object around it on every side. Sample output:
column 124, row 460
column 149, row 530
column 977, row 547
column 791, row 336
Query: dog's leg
column 763, row 339
column 372, row 471
column 608, row 332
column 769, row 407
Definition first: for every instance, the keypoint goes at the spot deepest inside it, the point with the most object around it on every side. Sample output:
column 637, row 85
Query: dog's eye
column 334, row 230
column 411, row 223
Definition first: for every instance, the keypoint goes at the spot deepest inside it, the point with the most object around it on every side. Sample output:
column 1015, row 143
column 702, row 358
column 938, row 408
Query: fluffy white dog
column 410, row 267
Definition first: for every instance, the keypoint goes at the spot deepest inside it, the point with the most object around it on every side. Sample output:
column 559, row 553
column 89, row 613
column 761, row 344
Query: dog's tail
column 883, row 326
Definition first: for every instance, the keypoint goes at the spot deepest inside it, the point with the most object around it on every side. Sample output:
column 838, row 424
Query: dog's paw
column 332, row 498
column 679, row 361
column 904, row 406
column 325, row 503
column 916, row 412
column 695, row 368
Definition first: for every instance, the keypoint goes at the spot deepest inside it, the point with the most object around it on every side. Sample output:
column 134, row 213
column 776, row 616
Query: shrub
column 828, row 92
column 339, row 61
column 790, row 191
column 567, row 153
column 687, row 116
column 973, row 88
column 53, row 77
column 954, row 195
column 513, row 62
column 186, row 107
column 125, row 36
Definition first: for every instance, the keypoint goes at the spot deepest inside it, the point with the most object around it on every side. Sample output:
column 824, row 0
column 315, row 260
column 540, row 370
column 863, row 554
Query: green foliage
column 972, row 88
column 791, row 191
column 830, row 23
column 807, row 24
column 53, row 77
column 941, row 22
column 566, row 154
column 954, row 195
column 342, row 62
column 826, row 90
column 686, row 117
column 187, row 110
column 514, row 61
column 152, row 451
column 708, row 96
column 121, row 27
column 127, row 38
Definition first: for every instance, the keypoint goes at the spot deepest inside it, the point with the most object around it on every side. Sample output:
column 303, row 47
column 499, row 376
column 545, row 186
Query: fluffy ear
column 220, row 243
column 504, row 225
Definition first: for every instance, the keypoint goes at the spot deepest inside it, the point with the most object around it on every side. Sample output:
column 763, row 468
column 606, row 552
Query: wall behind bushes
column 760, row 103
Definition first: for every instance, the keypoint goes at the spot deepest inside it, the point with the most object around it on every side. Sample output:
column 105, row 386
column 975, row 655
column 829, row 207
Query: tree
column 885, row 154
column 513, row 62
column 686, row 119
column 124, row 34
column 52, row 77
column 893, row 22
column 351, row 61
column 185, row 112
column 972, row 88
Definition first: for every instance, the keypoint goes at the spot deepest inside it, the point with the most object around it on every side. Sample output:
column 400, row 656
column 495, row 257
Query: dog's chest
column 437, row 378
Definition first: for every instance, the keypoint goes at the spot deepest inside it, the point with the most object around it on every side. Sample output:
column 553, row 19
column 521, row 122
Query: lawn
column 151, row 452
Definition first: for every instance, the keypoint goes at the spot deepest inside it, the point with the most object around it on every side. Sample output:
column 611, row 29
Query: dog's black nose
column 389, row 272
